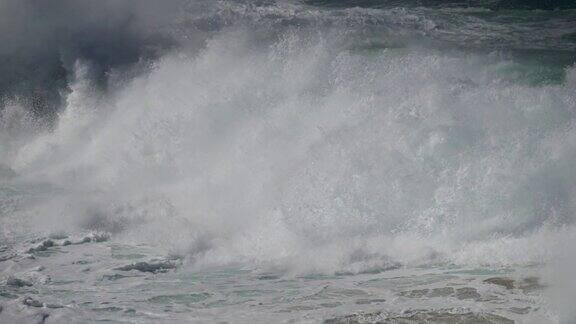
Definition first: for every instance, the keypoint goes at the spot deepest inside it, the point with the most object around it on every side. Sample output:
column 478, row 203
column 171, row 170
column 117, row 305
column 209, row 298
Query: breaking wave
column 350, row 145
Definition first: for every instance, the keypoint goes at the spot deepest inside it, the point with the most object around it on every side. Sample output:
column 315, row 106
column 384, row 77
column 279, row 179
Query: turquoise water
column 78, row 282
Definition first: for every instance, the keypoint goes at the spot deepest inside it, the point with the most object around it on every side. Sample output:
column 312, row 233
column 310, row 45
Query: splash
column 297, row 148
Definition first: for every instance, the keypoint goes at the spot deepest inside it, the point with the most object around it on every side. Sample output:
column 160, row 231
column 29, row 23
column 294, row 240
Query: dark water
column 41, row 41
column 488, row 4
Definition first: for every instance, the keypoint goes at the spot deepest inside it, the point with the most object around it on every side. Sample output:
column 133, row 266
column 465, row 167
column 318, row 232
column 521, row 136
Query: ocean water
column 288, row 161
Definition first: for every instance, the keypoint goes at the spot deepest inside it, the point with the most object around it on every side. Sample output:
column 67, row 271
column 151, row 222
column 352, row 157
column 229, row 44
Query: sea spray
column 301, row 159
column 259, row 153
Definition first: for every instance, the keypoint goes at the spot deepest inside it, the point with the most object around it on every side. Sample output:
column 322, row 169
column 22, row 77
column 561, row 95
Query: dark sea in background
column 310, row 161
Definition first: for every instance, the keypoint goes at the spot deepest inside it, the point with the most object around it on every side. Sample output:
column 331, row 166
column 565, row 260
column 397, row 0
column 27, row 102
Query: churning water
column 297, row 161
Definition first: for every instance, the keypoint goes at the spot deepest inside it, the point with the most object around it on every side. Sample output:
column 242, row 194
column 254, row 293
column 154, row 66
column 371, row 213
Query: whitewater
column 291, row 161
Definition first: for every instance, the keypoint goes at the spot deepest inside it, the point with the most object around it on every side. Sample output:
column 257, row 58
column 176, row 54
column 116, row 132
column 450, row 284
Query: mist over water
column 304, row 139
column 42, row 40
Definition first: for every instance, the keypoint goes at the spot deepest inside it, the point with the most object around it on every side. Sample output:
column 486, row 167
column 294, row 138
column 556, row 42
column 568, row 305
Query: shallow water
column 85, row 281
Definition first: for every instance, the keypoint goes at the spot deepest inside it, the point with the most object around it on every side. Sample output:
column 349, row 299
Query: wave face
column 313, row 139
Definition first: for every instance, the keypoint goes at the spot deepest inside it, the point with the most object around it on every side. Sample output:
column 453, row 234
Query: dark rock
column 6, row 257
column 28, row 301
column 369, row 301
column 148, row 267
column 530, row 284
column 15, row 282
column 8, row 295
column 97, row 238
column 268, row 277
column 467, row 293
column 66, row 243
column 48, row 243
column 439, row 316
column 6, row 253
column 107, row 309
column 417, row 293
column 36, row 249
column 42, row 247
column 331, row 305
column 100, row 237
column 130, row 311
column 42, row 316
column 520, row 310
column 114, row 277
column 504, row 282
column 441, row 292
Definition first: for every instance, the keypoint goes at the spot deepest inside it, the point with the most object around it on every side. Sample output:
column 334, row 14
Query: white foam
column 302, row 154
